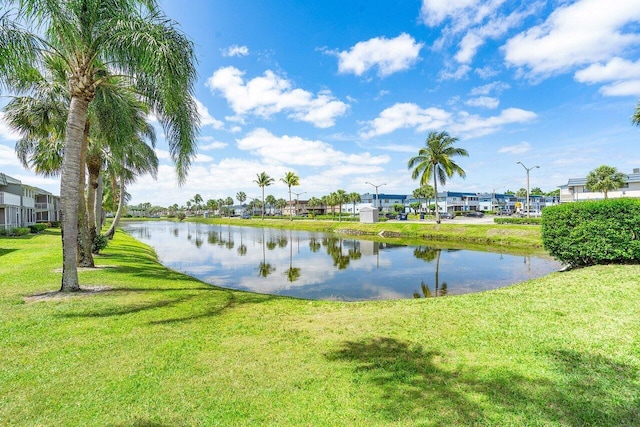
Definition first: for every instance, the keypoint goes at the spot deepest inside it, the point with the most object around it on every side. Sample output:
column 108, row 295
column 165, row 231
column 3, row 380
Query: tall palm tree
column 241, row 197
column 132, row 36
column 313, row 203
column 290, row 179
column 605, row 178
column 354, row 198
column 341, row 197
column 434, row 159
column 271, row 201
column 263, row 180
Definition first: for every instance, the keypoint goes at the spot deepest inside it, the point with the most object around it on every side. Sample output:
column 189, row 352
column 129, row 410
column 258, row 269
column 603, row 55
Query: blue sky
column 345, row 92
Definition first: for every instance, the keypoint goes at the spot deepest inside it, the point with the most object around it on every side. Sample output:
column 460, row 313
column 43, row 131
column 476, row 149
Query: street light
column 379, row 185
column 297, row 195
column 528, row 169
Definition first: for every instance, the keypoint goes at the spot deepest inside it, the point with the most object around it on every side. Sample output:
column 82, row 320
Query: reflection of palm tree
column 292, row 273
column 242, row 249
column 425, row 253
column 265, row 269
column 314, row 245
column 334, row 249
column 439, row 290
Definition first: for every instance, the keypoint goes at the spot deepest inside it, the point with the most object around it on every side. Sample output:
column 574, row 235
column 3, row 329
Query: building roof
column 574, row 182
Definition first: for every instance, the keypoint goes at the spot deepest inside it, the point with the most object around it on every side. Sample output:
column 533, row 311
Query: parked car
column 503, row 212
column 474, row 214
column 391, row 216
column 532, row 213
column 447, row 215
column 246, row 216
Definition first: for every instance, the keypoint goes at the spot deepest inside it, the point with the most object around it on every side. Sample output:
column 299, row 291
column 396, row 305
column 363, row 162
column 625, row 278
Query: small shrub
column 99, row 243
column 590, row 233
column 518, row 220
column 55, row 224
column 37, row 228
column 181, row 216
column 15, row 232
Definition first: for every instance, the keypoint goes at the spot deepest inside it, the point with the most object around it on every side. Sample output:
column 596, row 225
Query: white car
column 532, row 213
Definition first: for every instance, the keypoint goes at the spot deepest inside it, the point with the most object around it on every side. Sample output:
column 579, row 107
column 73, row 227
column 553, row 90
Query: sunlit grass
column 154, row 347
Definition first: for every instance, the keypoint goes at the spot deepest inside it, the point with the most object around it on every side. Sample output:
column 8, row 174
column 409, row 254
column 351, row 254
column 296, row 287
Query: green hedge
column 14, row 232
column 518, row 220
column 589, row 233
column 36, row 228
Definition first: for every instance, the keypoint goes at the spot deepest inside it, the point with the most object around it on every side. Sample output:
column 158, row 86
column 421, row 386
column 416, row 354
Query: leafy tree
column 434, row 159
column 263, row 180
column 313, row 203
column 290, row 179
column 133, row 37
column 522, row 192
column 341, row 197
column 271, row 202
column 241, row 197
column 354, row 198
column 554, row 193
column 536, row 191
column 604, row 179
column 280, row 204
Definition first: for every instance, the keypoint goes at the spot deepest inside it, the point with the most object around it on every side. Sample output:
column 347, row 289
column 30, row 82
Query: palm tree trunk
column 85, row 257
column 94, row 163
column 69, row 192
column 112, row 229
column 290, row 206
column 98, row 207
column 435, row 189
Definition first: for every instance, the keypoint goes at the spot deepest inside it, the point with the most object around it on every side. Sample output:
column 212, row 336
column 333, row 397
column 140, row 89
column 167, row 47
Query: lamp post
column 297, row 196
column 376, row 186
column 528, row 169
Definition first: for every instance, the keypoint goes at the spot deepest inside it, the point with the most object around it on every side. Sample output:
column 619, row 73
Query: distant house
column 576, row 189
column 22, row 205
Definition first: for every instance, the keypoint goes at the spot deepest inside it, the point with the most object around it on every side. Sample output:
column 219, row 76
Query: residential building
column 22, row 205
column 576, row 189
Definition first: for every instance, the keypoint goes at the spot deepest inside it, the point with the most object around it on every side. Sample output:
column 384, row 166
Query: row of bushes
column 23, row 231
column 590, row 233
column 518, row 220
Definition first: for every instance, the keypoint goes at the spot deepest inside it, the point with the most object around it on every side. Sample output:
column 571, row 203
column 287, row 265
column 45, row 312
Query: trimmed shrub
column 590, row 233
column 37, row 228
column 99, row 243
column 14, row 232
column 518, row 220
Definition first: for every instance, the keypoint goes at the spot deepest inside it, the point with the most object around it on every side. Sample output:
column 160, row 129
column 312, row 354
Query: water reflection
column 328, row 266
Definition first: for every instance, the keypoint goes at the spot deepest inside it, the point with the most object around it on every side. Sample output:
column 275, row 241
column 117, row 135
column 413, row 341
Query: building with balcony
column 23, row 205
column 576, row 189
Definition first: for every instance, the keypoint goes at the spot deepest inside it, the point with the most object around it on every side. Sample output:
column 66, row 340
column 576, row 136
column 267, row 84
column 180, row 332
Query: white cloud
column 521, row 148
column 583, row 32
column 624, row 88
column 464, row 13
column 7, row 133
column 235, row 50
column 624, row 75
column 212, row 144
column 294, row 150
column 483, row 101
column 459, row 73
column 8, row 156
column 495, row 87
column 407, row 115
column 389, row 55
column 202, row 158
column 472, row 125
column 270, row 94
column 207, row 119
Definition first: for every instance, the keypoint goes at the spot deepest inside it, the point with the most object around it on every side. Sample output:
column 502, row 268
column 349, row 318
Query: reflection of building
column 577, row 190
column 368, row 247
column 23, row 205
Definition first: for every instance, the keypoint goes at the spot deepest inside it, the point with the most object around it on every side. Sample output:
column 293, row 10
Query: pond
column 328, row 266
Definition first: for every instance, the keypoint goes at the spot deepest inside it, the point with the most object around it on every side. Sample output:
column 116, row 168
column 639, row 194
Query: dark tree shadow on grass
column 419, row 386
column 6, row 251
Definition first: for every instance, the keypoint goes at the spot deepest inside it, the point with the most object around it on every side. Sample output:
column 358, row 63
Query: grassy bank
column 152, row 347
column 516, row 236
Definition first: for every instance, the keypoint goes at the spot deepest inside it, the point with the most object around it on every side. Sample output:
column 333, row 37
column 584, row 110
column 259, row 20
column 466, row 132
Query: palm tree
column 263, row 180
column 229, row 202
column 313, row 203
column 197, row 203
column 341, row 197
column 354, row 198
column 241, row 197
column 270, row 201
column 434, row 159
column 132, row 36
column 290, row 179
column 605, row 178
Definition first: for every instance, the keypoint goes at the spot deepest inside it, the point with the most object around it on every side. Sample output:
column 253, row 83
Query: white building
column 23, row 205
column 576, row 190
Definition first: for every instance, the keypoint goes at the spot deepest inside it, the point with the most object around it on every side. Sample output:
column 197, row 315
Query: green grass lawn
column 151, row 347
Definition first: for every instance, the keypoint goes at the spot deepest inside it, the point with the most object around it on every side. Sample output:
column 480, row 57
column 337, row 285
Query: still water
column 328, row 266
